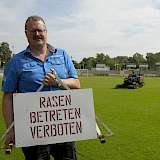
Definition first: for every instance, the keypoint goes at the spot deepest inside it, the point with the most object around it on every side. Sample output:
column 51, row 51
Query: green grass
column 132, row 114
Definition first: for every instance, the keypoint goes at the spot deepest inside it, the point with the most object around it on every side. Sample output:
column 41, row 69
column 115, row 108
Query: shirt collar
column 49, row 47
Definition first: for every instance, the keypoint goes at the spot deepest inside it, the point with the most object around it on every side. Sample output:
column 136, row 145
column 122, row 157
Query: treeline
column 119, row 62
column 5, row 53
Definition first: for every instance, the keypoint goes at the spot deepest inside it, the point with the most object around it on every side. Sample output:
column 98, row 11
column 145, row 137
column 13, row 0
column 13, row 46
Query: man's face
column 36, row 33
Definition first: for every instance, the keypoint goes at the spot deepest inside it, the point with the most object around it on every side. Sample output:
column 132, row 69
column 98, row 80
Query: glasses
column 35, row 30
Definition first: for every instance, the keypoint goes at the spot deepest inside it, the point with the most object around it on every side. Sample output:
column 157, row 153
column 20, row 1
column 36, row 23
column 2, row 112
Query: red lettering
column 68, row 100
column 66, row 129
column 65, row 114
column 71, row 127
column 39, row 130
column 53, row 130
column 32, row 117
column 42, row 100
column 33, row 131
column 48, row 102
column 46, row 116
column 70, row 113
column 79, row 127
column 52, row 114
column 77, row 113
column 55, row 103
column 39, row 116
column 58, row 114
column 60, row 129
column 46, row 131
column 61, row 100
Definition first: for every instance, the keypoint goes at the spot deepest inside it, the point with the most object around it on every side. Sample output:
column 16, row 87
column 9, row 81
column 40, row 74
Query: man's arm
column 7, row 110
column 72, row 83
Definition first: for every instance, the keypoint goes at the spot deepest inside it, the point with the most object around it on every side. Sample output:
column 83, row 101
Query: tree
column 111, row 63
column 121, row 61
column 91, row 63
column 76, row 64
column 5, row 53
column 88, row 63
column 151, row 60
column 138, row 59
column 100, row 58
column 83, row 63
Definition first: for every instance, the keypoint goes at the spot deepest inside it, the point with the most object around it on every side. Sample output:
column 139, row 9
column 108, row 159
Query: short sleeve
column 72, row 73
column 10, row 78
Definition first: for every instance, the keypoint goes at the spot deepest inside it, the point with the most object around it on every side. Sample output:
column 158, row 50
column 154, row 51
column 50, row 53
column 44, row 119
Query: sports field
column 132, row 114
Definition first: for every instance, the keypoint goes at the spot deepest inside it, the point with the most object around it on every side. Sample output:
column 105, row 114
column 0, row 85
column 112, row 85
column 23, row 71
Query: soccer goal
column 82, row 72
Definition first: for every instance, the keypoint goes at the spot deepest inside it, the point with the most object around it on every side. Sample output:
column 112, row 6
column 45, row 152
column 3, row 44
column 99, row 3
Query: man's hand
column 50, row 79
column 9, row 141
column 72, row 83
column 7, row 110
column 10, row 138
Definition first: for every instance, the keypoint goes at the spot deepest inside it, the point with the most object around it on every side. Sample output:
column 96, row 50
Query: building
column 102, row 67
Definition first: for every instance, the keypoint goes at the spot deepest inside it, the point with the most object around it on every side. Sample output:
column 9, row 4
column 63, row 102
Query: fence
column 86, row 72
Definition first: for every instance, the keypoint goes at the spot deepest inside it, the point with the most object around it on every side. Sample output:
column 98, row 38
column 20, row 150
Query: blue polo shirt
column 25, row 73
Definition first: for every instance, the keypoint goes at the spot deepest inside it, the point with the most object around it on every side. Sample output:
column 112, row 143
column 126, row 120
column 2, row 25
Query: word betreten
column 55, row 115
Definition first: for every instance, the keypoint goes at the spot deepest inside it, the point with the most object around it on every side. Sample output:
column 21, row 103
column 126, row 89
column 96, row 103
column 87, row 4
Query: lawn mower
column 133, row 81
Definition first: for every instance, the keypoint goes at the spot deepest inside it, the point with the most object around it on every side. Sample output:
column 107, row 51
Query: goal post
column 82, row 72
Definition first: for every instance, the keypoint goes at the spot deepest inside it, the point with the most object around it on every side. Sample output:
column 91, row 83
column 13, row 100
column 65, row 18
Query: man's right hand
column 9, row 141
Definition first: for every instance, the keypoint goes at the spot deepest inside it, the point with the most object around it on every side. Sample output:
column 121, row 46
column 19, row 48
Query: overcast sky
column 86, row 27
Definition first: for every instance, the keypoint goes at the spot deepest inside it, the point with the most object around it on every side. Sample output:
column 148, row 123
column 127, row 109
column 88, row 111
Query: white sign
column 53, row 117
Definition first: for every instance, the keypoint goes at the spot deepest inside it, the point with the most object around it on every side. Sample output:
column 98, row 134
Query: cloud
column 87, row 27
column 125, row 26
column 156, row 4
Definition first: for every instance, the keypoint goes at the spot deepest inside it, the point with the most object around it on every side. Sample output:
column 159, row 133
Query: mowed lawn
column 133, row 115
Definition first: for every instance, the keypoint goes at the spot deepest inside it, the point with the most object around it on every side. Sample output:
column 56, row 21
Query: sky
column 86, row 27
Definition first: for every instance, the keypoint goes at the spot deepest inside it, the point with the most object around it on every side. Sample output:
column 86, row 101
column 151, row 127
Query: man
column 26, row 71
